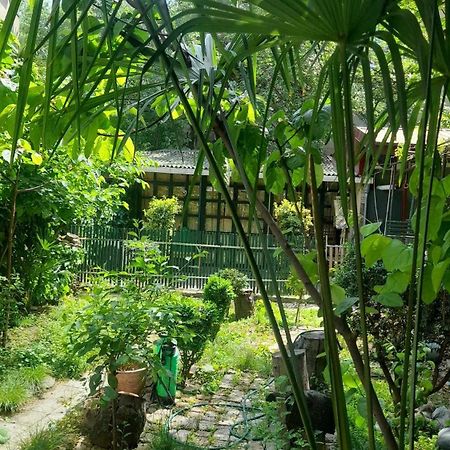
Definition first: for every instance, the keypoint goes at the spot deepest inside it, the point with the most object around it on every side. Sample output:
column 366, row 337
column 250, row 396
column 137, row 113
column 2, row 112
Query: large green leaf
column 438, row 273
column 370, row 228
column 428, row 292
column 273, row 174
column 345, row 305
column 396, row 282
column 397, row 256
column 391, row 299
column 373, row 246
column 337, row 294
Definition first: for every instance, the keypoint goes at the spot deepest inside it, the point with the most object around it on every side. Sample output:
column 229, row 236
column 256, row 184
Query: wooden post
column 279, row 368
column 313, row 343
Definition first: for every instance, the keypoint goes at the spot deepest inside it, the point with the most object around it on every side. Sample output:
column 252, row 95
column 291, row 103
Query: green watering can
column 166, row 385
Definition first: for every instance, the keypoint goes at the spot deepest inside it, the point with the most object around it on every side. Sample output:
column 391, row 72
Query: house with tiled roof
column 170, row 172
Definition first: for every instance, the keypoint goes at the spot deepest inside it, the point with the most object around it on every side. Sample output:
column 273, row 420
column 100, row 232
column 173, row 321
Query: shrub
column 47, row 271
column 191, row 322
column 238, row 280
column 219, row 292
column 161, row 214
column 286, row 214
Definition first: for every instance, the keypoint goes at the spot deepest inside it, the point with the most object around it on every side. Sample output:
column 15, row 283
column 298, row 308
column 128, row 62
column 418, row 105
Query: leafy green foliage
column 82, row 93
column 219, row 292
column 48, row 271
column 12, row 293
column 293, row 219
column 238, row 280
column 161, row 214
column 191, row 322
column 41, row 341
column 147, row 258
column 111, row 330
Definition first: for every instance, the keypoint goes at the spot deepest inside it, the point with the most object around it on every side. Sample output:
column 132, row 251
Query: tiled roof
column 186, row 160
column 329, row 166
column 175, row 159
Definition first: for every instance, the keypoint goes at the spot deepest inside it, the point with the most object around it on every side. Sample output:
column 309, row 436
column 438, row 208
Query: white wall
column 3, row 8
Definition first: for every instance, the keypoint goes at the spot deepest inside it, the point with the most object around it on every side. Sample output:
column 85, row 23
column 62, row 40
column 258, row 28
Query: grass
column 62, row 435
column 161, row 440
column 245, row 346
column 46, row 439
column 19, row 385
column 42, row 339
column 38, row 347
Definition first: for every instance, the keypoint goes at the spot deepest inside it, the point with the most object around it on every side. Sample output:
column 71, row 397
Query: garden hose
column 242, row 406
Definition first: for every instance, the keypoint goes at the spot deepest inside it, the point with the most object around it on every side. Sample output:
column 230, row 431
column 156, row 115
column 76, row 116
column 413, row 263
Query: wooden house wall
column 207, row 211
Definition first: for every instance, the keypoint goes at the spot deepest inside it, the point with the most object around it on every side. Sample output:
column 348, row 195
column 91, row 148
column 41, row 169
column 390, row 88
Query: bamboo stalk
column 297, row 391
column 348, row 123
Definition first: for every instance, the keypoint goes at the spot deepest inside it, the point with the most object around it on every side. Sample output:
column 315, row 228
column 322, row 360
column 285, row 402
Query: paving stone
column 158, row 416
column 220, row 398
column 227, row 382
column 183, row 422
column 210, row 416
column 181, row 435
column 207, row 425
column 196, row 410
column 222, row 433
column 236, row 395
column 254, row 445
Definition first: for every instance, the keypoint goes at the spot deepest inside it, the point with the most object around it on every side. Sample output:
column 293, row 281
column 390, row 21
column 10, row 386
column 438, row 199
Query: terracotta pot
column 131, row 381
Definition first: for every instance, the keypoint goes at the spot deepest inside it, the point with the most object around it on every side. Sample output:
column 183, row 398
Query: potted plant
column 243, row 301
column 112, row 330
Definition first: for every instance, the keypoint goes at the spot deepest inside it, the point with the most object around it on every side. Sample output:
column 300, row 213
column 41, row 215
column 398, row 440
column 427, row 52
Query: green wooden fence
column 106, row 249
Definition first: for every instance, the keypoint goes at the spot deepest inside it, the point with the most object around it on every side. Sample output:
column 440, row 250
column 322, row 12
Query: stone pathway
column 210, row 422
column 40, row 412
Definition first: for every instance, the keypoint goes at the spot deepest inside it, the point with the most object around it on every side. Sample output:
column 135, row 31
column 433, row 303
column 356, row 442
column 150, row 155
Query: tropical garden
column 261, row 88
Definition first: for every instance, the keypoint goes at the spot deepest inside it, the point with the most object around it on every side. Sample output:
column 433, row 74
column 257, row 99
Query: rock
column 442, row 416
column 443, row 441
column 130, row 420
column 426, row 410
column 433, row 353
column 48, row 382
